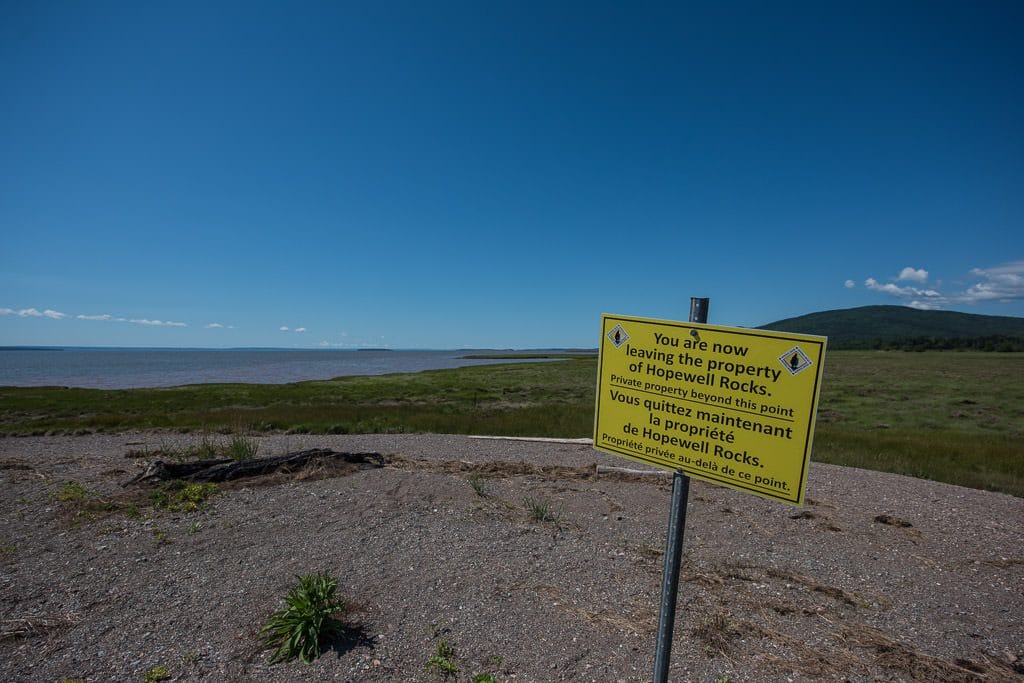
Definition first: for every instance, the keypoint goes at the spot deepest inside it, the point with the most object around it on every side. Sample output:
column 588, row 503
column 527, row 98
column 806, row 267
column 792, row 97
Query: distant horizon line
column 63, row 347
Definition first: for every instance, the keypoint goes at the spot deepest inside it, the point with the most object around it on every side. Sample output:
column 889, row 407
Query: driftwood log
column 608, row 469
column 225, row 469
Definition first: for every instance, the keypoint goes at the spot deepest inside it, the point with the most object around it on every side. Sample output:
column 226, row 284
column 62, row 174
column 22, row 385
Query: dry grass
column 30, row 627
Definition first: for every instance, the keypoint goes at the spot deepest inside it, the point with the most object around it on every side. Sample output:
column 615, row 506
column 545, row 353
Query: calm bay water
column 130, row 368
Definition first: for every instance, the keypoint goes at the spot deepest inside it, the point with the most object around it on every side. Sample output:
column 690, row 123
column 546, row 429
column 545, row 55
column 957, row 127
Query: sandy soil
column 879, row 577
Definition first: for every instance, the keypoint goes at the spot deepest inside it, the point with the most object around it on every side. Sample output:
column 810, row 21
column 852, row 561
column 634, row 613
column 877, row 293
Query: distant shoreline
column 107, row 368
column 513, row 352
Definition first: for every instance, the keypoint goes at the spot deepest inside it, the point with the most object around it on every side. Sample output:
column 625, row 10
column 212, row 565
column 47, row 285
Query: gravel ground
column 878, row 578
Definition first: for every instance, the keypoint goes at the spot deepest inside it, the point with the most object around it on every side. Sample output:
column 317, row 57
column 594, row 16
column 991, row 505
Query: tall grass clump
column 307, row 621
column 242, row 448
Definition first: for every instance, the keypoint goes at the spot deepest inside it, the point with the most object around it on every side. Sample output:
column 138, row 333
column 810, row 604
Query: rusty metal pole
column 674, row 543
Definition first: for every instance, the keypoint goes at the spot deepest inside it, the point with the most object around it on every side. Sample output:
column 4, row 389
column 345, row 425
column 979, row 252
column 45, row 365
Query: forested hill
column 899, row 327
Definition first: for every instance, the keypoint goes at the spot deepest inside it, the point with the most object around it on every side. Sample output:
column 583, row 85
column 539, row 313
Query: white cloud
column 299, row 329
column 156, row 323
column 849, row 284
column 1000, row 283
column 106, row 317
column 33, row 313
column 283, row 328
column 918, row 275
column 219, row 326
column 903, row 292
column 895, row 290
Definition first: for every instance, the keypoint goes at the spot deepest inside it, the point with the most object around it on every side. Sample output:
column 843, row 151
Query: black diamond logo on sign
column 795, row 360
column 618, row 336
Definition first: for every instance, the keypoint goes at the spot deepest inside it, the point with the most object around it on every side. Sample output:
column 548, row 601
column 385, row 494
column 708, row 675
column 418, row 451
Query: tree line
column 996, row 343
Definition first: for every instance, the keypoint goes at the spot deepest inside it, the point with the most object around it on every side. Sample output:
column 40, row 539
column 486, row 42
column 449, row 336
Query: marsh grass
column 208, row 448
column 948, row 416
column 991, row 464
column 242, row 448
column 550, row 399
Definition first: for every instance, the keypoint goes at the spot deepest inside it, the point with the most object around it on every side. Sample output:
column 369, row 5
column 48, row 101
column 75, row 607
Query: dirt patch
column 437, row 546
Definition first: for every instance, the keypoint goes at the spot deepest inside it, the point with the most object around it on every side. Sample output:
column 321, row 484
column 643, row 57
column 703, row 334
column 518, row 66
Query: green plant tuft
column 182, row 496
column 157, row 673
column 443, row 660
column 539, row 509
column 242, row 448
column 81, row 503
column 479, row 486
column 72, row 492
column 307, row 622
column 484, row 678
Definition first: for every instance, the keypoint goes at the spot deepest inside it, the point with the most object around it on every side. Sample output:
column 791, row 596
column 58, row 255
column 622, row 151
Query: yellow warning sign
column 729, row 405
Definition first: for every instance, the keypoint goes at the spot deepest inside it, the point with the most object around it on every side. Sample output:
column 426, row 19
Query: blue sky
column 498, row 174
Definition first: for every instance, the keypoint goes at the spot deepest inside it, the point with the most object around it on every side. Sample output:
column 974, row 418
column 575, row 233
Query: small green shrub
column 81, row 503
column 484, row 678
column 72, row 492
column 307, row 622
column 182, row 496
column 157, row 673
column 479, row 486
column 539, row 509
column 443, row 660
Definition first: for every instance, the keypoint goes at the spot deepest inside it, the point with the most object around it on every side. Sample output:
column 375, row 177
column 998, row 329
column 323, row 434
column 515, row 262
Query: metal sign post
column 727, row 405
column 674, row 544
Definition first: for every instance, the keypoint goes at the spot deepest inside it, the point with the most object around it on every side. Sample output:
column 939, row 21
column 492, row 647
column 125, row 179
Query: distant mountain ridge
column 902, row 327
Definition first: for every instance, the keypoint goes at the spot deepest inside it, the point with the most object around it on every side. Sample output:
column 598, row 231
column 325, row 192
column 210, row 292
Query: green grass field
column 953, row 417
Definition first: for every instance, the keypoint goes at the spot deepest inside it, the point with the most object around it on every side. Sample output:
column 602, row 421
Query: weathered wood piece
column 540, row 439
column 222, row 470
column 608, row 469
